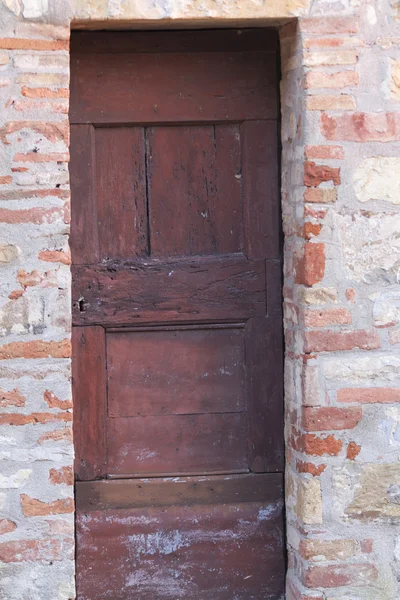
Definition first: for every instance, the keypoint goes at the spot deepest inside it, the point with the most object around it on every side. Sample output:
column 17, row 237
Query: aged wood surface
column 121, row 199
column 200, row 169
column 174, row 444
column 158, row 492
column 201, row 551
column 174, row 87
column 177, row 316
column 178, row 372
column 207, row 40
column 90, row 401
column 259, row 141
column 231, row 288
column 84, row 241
column 265, row 406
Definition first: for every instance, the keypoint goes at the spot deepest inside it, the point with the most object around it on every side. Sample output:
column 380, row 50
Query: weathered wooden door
column 177, row 347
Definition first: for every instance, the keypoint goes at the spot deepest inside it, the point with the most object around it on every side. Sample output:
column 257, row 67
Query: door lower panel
column 195, row 538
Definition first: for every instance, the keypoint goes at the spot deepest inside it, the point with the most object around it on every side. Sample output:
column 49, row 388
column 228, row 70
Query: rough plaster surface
column 340, row 203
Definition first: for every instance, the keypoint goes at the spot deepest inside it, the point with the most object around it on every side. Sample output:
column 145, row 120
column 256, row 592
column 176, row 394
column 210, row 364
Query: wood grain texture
column 177, row 444
column 274, row 277
column 121, row 192
column 89, row 398
column 206, row 40
column 177, row 367
column 158, row 372
column 177, row 491
column 173, row 88
column 194, row 190
column 207, row 289
column 262, row 219
column 265, row 389
column 83, row 240
column 201, row 552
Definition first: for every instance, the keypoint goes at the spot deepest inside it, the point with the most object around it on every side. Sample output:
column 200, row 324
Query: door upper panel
column 176, row 191
column 230, row 77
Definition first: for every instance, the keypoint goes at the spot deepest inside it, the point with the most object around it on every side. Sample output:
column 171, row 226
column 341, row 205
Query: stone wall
column 340, row 200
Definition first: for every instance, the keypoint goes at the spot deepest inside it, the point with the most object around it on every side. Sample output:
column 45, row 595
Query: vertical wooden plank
column 194, row 190
column 83, row 239
column 264, row 365
column 262, row 222
column 228, row 209
column 121, row 192
column 90, row 401
column 273, row 282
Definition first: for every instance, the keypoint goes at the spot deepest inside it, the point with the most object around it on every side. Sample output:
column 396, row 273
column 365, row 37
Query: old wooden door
column 177, row 347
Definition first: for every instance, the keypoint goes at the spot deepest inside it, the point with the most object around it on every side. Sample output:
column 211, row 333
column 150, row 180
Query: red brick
column 340, row 102
column 336, row 25
column 330, row 341
column 37, row 157
column 372, row 395
column 314, row 214
column 332, row 42
column 43, row 105
column 15, row 294
column 337, row 80
column 5, row 179
column 31, row 551
column 32, row 507
column 351, row 295
column 33, row 215
column 60, row 527
column 34, row 418
column 294, row 593
column 318, row 446
column 29, row 279
column 362, row 127
column 367, row 546
column 56, row 256
column 312, row 549
column 353, row 450
column 44, row 92
column 331, row 316
column 394, row 336
column 320, row 195
column 330, row 417
column 35, row 278
column 12, row 398
column 58, row 435
column 41, row 31
column 25, row 194
column 322, row 152
column 316, row 174
column 307, row 467
column 36, row 349
column 65, row 475
column 32, row 44
column 54, row 132
column 43, row 79
column 7, row 526
column 311, row 230
column 54, row 402
column 355, row 575
column 310, row 269
column 329, row 57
